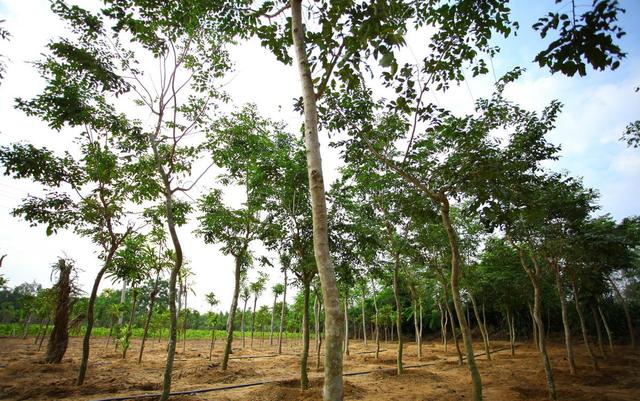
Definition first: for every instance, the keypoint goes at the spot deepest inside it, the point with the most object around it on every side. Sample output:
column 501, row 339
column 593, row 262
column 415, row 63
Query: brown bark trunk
column 457, row 302
column 583, row 327
column 333, row 384
column 125, row 345
column 147, row 322
column 596, row 320
column 346, row 322
column 377, row 325
column 232, row 311
column 273, row 315
column 606, row 328
column 253, row 319
column 304, row 379
column 316, row 313
column 46, row 329
column 534, row 328
column 59, row 337
column 364, row 321
column 565, row 319
column 213, row 341
column 485, row 336
column 282, row 313
column 84, row 360
column 536, row 313
column 452, row 323
column 396, row 295
column 511, row 332
column 627, row 314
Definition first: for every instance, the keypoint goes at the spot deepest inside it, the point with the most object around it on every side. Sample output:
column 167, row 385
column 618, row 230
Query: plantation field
column 23, row 375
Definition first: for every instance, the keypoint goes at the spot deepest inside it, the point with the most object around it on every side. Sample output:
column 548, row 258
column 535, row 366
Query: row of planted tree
column 440, row 206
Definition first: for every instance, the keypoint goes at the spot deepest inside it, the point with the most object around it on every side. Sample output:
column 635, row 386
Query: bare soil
column 25, row 376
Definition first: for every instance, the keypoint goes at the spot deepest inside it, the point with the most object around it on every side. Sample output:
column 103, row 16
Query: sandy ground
column 23, row 375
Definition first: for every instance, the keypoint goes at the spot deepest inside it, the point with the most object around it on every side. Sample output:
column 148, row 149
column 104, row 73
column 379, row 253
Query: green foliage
column 585, row 39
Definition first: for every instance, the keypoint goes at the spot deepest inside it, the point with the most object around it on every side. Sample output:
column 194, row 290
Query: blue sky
column 596, row 107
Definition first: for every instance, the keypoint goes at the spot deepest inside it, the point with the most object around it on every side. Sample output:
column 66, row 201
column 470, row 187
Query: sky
column 596, row 110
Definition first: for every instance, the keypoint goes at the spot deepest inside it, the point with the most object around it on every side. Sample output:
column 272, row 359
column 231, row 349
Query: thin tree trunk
column 184, row 321
column 253, row 319
column 123, row 295
column 282, row 312
column 304, row 379
column 333, row 384
column 627, row 314
column 534, row 277
column 485, row 336
column 39, row 332
column 445, row 322
column 377, row 325
column 396, row 295
column 565, row 319
column 364, row 321
column 415, row 324
column 273, row 315
column 534, row 327
column 244, row 312
column 457, row 302
column 606, row 328
column 84, row 360
column 46, row 328
column 125, row 345
column 452, row 323
column 147, row 322
column 113, row 322
column 346, row 322
column 484, row 325
column 316, row 311
column 583, row 327
column 213, row 341
column 232, row 311
column 596, row 320
column 510, row 328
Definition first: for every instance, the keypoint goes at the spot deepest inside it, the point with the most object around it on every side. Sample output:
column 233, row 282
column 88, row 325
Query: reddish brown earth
column 23, row 375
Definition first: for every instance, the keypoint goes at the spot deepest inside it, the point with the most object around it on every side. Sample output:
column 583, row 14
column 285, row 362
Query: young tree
column 277, row 290
column 240, row 144
column 160, row 259
column 131, row 264
column 257, row 288
column 212, row 300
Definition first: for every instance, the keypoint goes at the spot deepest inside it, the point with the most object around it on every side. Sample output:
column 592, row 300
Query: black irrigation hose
column 253, row 384
column 254, row 356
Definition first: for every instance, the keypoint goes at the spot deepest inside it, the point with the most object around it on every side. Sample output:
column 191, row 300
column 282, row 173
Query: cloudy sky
column 596, row 110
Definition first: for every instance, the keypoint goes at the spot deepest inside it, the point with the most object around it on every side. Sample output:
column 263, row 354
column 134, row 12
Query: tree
column 212, row 300
column 277, row 290
column 245, row 294
column 77, row 73
column 256, row 288
column 240, row 144
column 131, row 264
column 160, row 260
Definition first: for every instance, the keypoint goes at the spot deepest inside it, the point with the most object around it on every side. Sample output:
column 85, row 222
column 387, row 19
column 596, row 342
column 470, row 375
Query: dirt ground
column 23, row 375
